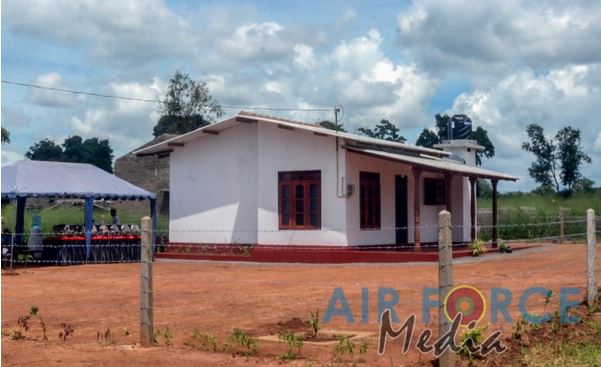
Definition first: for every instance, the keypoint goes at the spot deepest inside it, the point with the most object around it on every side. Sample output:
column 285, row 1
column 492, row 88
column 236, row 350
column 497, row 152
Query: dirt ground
column 257, row 298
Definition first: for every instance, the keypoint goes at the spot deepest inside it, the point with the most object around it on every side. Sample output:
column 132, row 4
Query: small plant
column 504, row 248
column 548, row 297
column 16, row 335
column 239, row 337
column 23, row 321
column 202, row 341
column 295, row 343
column 106, row 338
column 345, row 346
column 477, row 248
column 314, row 321
column 165, row 333
column 66, row 332
column 468, row 340
column 24, row 258
column 363, row 347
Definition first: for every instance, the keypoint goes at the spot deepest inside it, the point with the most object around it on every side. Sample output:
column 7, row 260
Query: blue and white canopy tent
column 25, row 179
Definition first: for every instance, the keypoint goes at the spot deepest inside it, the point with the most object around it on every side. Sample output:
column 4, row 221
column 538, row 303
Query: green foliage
column 5, row 136
column 427, row 138
column 239, row 337
column 295, row 343
column 481, row 136
column 478, row 247
column 345, row 346
column 331, row 125
column 557, row 159
column 483, row 189
column 74, row 149
column 202, row 341
column 45, row 150
column 187, row 105
column 384, row 130
column 314, row 321
column 470, row 338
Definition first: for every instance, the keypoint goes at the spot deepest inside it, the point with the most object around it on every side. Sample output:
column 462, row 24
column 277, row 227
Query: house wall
column 214, row 188
column 388, row 170
column 294, row 150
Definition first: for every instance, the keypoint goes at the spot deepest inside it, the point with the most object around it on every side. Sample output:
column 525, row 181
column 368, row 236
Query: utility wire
column 159, row 101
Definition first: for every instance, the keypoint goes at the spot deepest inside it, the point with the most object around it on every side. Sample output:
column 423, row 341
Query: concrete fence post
column 445, row 280
column 561, row 225
column 591, row 255
column 146, row 311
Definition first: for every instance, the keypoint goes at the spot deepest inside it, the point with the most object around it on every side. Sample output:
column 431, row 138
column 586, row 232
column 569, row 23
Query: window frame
column 306, row 179
column 435, row 191
column 370, row 200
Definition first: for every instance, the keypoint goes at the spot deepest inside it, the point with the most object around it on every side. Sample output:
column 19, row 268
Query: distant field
column 577, row 203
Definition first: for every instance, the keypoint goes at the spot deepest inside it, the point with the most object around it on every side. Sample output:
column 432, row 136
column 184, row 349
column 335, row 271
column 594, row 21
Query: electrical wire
column 147, row 100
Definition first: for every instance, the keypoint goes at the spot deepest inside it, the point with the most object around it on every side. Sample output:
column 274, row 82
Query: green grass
column 531, row 216
column 578, row 203
column 74, row 214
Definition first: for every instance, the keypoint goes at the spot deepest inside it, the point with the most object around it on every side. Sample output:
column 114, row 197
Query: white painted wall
column 294, row 150
column 224, row 189
column 214, row 188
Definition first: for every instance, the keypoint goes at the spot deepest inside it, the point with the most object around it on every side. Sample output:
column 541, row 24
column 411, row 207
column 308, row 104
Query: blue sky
column 504, row 63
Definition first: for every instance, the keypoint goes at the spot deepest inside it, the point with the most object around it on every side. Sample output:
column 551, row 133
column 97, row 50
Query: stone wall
column 148, row 172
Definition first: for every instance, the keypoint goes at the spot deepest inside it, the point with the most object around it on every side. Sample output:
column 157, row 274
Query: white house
column 255, row 179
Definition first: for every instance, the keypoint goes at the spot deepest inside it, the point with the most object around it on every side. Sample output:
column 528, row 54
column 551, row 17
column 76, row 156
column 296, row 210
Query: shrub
column 239, row 337
column 314, row 321
column 295, row 343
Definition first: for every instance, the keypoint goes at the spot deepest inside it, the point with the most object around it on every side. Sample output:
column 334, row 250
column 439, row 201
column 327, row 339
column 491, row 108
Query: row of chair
column 97, row 229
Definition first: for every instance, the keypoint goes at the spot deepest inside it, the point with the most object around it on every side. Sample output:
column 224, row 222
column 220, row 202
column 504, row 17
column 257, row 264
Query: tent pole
column 153, row 215
column 89, row 214
column 20, row 220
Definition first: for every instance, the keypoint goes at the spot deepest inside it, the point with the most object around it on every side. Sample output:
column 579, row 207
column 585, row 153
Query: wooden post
column 473, row 207
column 495, row 233
column 591, row 255
column 445, row 280
column 146, row 317
column 416, row 206
column 561, row 226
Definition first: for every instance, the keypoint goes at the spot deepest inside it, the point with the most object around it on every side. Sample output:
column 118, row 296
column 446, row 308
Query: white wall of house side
column 214, row 188
column 429, row 213
column 282, row 150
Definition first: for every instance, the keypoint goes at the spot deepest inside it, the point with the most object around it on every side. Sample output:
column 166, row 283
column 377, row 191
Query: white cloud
column 127, row 31
column 304, row 57
column 125, row 123
column 561, row 97
column 499, row 34
column 49, row 98
column 256, row 40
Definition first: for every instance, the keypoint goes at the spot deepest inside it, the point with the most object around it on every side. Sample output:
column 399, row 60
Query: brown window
column 435, row 192
column 299, row 199
column 369, row 183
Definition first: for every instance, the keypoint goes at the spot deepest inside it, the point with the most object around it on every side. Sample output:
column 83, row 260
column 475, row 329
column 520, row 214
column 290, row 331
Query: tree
column 583, row 184
column 45, row 150
column 481, row 136
column 331, row 125
column 384, row 130
column 556, row 159
column 427, row 138
column 187, row 106
column 95, row 151
column 5, row 136
column 570, row 155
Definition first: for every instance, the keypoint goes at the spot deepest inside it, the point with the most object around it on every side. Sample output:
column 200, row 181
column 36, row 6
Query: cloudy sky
column 504, row 63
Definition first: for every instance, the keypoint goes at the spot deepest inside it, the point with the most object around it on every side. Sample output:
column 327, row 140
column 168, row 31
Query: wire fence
column 216, row 298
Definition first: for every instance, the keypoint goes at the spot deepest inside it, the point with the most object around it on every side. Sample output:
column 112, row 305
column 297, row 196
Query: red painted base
column 313, row 254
